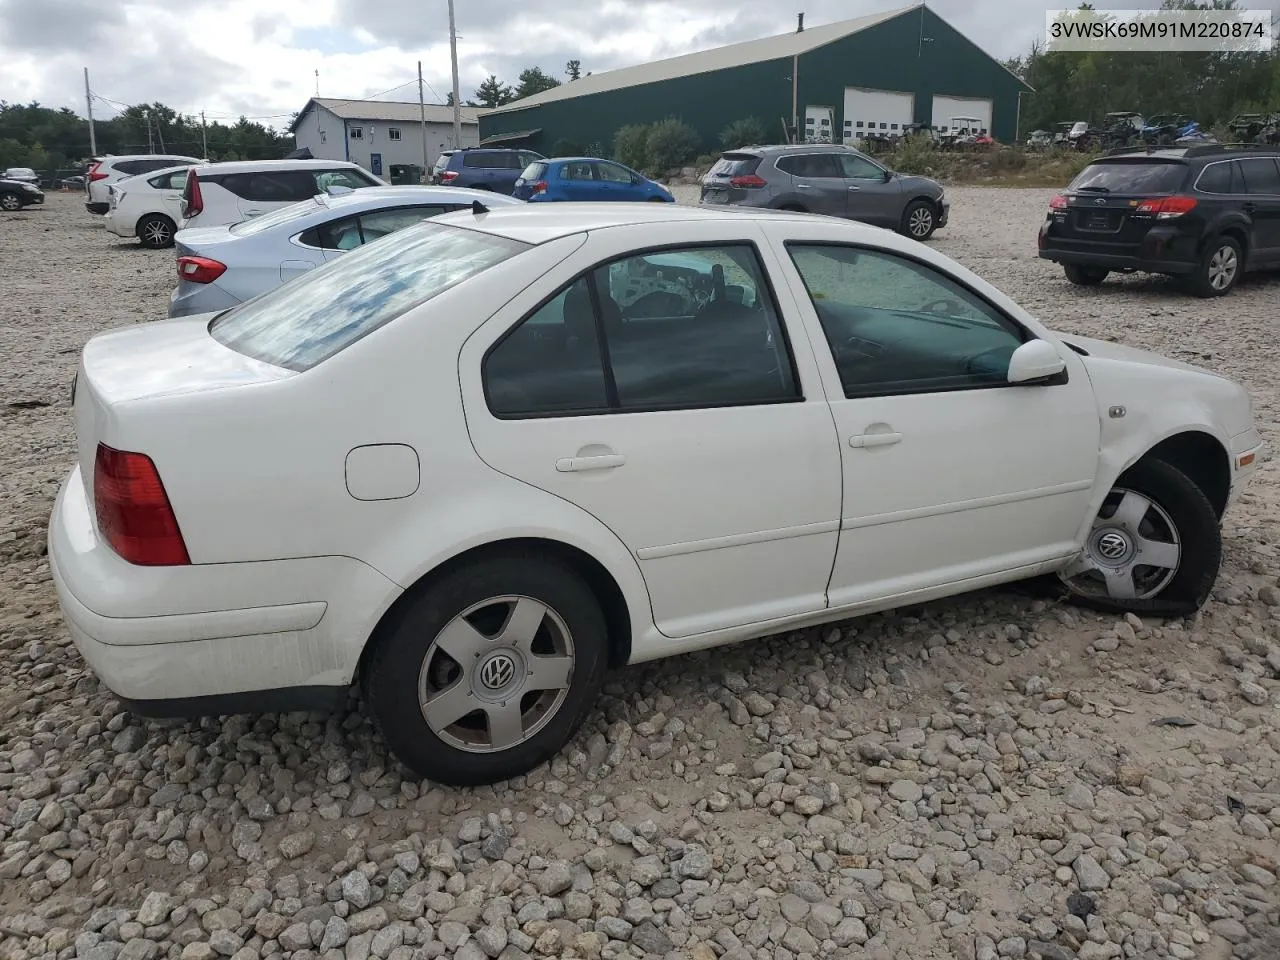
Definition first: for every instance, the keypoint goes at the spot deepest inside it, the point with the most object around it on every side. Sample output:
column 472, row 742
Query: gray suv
column 830, row 179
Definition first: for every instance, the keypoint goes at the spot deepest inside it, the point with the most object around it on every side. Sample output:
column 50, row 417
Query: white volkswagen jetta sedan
column 473, row 465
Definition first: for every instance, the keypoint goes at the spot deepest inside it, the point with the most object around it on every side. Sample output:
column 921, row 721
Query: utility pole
column 88, row 104
column 151, row 144
column 457, row 95
column 204, row 138
column 422, row 113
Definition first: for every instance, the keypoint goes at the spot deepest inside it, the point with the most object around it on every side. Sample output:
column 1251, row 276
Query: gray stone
column 650, row 939
column 906, row 791
column 357, row 890
column 695, row 864
column 556, row 879
column 1089, row 874
column 646, row 871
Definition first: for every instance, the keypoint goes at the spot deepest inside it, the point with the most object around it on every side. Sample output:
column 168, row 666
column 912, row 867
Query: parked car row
column 459, row 456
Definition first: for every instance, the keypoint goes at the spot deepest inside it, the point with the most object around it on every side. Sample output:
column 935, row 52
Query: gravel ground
column 988, row 777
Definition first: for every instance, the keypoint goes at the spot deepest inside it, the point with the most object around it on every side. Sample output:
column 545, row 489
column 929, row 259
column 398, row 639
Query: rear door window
column 347, row 233
column 355, row 179
column 170, row 181
column 488, row 159
column 1261, row 176
column 812, row 166
column 275, row 186
column 131, row 168
column 1130, row 177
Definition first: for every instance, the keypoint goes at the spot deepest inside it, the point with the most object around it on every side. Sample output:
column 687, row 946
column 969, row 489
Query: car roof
column 376, row 196
column 117, row 158
column 253, row 166
column 762, row 149
column 542, row 222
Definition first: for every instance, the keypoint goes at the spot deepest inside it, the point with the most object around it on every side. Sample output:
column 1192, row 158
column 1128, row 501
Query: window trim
column 616, row 408
column 1024, row 335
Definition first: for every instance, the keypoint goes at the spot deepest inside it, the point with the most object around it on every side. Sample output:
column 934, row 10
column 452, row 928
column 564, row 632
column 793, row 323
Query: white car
column 104, row 171
column 223, row 193
column 147, row 207
column 219, row 267
column 456, row 468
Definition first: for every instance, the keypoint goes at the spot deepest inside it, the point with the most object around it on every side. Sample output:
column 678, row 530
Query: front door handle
column 855, row 188
column 875, row 439
column 605, row 462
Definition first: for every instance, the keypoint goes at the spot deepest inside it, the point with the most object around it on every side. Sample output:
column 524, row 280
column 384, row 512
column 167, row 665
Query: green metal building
column 837, row 82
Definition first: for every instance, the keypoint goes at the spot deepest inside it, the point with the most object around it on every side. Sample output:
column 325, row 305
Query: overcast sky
column 231, row 57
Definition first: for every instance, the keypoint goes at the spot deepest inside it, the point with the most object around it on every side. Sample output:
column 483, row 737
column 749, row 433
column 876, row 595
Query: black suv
column 1205, row 214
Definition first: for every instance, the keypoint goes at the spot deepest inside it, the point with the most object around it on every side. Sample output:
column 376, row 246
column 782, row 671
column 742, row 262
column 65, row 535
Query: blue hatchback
column 586, row 178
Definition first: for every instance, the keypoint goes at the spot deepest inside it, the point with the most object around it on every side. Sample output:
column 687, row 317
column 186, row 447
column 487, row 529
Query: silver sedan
column 220, row 267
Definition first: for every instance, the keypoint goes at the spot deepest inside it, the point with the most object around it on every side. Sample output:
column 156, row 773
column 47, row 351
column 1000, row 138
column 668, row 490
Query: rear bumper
column 1161, row 250
column 199, row 298
column 98, row 208
column 207, row 639
column 118, row 226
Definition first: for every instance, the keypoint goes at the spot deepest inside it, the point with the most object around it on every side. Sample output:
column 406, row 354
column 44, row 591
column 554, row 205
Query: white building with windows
column 380, row 134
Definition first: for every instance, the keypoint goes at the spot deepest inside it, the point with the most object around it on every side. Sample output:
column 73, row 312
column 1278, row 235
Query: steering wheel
column 943, row 307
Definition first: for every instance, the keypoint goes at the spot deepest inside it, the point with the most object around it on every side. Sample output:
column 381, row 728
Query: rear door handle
column 576, row 464
column 875, row 439
column 803, row 186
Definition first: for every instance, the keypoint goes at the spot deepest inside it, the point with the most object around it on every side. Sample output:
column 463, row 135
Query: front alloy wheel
column 1155, row 546
column 919, row 221
column 485, row 672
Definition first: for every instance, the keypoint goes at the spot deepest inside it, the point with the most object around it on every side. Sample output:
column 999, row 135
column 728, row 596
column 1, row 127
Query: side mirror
column 1035, row 362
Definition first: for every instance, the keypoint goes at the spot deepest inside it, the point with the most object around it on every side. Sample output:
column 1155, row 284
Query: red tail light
column 134, row 514
column 539, row 187
column 93, row 173
column 200, row 269
column 1058, row 203
column 448, row 176
column 192, row 199
column 1165, row 208
column 749, row 182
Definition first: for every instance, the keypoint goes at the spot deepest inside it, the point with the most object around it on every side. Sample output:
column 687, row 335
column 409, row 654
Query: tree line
column 46, row 139
column 493, row 92
column 1207, row 87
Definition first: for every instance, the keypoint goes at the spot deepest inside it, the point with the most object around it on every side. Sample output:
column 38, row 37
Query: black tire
column 1221, row 253
column 156, row 231
column 919, row 220
column 391, row 676
column 1199, row 538
column 1083, row 275
column 10, row 202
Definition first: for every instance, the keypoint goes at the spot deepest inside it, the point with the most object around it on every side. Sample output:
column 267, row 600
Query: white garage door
column 947, row 112
column 876, row 111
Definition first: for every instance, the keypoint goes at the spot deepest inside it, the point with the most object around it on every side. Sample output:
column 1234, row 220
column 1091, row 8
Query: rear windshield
column 324, row 311
column 259, row 224
column 735, row 165
column 1131, row 176
column 534, row 171
column 442, row 161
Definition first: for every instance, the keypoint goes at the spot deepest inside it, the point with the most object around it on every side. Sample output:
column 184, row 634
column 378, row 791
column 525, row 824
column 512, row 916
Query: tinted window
column 855, row 167
column 811, row 165
column 525, row 157
column 735, row 165
column 682, row 329
column 132, row 167
column 275, row 186
column 1261, row 175
column 492, row 159
column 551, row 362
column 1219, row 178
column 897, row 326
column 322, row 312
column 1130, row 177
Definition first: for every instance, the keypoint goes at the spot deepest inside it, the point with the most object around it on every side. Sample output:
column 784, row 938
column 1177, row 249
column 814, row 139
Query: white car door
column 697, row 431
column 950, row 473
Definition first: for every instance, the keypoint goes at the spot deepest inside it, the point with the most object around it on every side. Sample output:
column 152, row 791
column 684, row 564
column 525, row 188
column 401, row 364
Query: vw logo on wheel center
column 497, row 672
column 1112, row 546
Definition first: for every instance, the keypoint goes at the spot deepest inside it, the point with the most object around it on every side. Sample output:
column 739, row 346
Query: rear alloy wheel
column 1155, row 546
column 488, row 671
column 10, row 202
column 1084, row 276
column 1219, row 269
column 919, row 220
column 156, row 232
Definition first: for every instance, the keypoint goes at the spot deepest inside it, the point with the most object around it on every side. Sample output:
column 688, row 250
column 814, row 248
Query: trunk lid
column 124, row 369
column 1104, row 203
